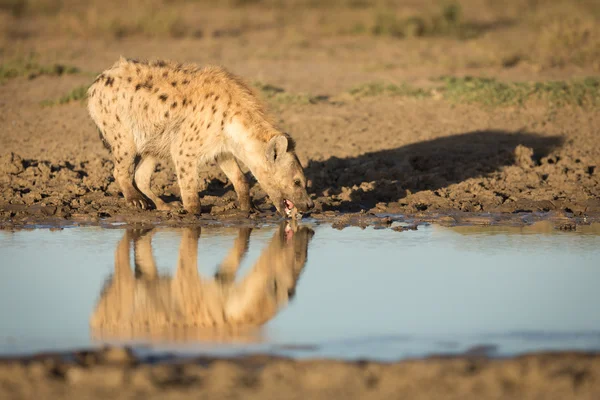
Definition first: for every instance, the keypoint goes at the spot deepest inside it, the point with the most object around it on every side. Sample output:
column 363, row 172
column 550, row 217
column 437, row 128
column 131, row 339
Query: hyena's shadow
column 389, row 175
column 139, row 303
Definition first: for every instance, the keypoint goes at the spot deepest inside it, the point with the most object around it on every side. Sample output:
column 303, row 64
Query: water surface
column 316, row 291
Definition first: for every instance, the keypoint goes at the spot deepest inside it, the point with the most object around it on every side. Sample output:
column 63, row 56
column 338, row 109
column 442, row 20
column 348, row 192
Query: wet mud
column 118, row 374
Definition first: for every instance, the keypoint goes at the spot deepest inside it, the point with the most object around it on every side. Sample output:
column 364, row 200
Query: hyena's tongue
column 291, row 210
column 289, row 206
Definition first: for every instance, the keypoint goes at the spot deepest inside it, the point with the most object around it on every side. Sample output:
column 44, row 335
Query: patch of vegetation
column 278, row 95
column 162, row 23
column 565, row 41
column 77, row 94
column 389, row 89
column 491, row 92
column 488, row 91
column 31, row 69
column 448, row 22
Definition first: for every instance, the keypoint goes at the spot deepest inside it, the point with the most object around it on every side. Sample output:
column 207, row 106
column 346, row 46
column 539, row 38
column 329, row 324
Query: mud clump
column 91, row 375
column 524, row 157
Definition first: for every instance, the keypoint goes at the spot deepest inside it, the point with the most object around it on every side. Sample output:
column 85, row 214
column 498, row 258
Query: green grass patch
column 491, row 92
column 277, row 95
column 77, row 94
column 388, row 89
column 31, row 69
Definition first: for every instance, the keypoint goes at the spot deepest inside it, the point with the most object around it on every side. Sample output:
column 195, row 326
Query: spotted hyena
column 150, row 111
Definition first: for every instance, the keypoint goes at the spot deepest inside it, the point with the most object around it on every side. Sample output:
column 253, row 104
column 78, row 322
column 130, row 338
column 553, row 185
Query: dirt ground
column 115, row 374
column 376, row 154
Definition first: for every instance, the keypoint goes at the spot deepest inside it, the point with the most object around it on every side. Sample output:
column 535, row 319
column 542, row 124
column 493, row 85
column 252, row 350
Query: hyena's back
column 148, row 108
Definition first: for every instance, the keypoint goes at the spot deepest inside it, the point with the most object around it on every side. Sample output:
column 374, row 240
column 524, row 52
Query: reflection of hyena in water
column 139, row 303
column 148, row 112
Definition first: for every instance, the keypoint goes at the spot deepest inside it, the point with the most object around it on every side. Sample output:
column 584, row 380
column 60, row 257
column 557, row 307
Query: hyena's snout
column 305, row 204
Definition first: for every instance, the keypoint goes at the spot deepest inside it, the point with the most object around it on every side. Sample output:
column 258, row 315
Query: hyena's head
column 286, row 183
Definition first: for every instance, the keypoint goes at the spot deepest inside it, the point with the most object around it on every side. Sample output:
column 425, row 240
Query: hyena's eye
column 297, row 182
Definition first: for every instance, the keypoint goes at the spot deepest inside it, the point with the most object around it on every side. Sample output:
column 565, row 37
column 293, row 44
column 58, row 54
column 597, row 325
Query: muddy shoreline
column 36, row 217
column 116, row 373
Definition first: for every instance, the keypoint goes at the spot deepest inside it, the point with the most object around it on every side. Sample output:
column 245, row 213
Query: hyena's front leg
column 231, row 168
column 186, row 167
column 124, row 153
column 230, row 265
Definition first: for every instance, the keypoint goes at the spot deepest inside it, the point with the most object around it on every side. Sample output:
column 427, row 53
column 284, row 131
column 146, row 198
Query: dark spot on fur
column 104, row 142
column 155, row 90
column 138, row 70
column 166, row 114
column 138, row 87
column 180, row 152
column 184, row 102
column 117, row 118
column 208, row 126
column 174, row 105
column 163, row 97
column 217, row 97
column 194, row 108
column 129, row 79
column 145, row 106
column 165, row 74
column 174, row 83
column 214, row 109
column 202, row 109
column 182, row 170
column 160, row 63
column 185, row 82
column 109, row 81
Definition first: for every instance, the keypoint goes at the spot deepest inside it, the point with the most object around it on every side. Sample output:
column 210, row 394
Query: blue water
column 369, row 294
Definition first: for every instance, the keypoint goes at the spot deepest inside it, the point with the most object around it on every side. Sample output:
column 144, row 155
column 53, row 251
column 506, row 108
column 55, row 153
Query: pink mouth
column 289, row 206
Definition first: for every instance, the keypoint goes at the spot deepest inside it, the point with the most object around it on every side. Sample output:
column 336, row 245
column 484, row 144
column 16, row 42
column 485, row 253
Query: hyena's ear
column 276, row 147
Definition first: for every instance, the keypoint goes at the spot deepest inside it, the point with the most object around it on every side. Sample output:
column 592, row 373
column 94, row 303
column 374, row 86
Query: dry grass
column 30, row 68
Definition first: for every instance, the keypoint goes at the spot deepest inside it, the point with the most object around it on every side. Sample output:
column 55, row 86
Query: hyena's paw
column 172, row 206
column 247, row 205
column 137, row 200
column 192, row 208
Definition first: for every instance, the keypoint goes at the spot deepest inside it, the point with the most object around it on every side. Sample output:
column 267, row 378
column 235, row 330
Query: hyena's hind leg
column 143, row 177
column 231, row 168
column 124, row 157
column 145, row 265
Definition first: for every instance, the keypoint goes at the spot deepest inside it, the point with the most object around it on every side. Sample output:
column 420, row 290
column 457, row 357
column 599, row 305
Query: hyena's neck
column 249, row 144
